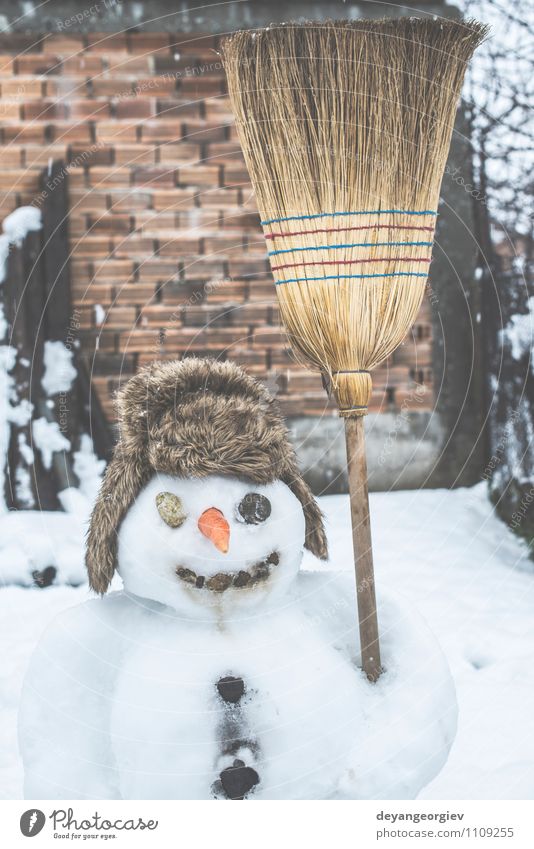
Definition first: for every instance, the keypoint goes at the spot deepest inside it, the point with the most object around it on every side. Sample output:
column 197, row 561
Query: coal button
column 231, row 689
column 238, row 779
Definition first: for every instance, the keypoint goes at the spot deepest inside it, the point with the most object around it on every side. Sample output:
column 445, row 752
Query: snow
column 310, row 723
column 88, row 468
column 15, row 227
column 100, row 314
column 59, row 371
column 519, row 334
column 32, row 540
column 20, row 222
column 48, row 439
column 446, row 553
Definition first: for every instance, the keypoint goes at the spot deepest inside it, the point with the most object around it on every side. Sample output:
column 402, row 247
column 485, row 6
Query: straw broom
column 345, row 129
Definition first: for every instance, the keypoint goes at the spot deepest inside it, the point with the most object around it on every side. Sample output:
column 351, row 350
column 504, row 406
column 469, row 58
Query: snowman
column 222, row 669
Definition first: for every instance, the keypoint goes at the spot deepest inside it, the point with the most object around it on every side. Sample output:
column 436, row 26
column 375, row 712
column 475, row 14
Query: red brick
column 116, row 132
column 176, row 199
column 114, row 271
column 83, row 65
column 235, row 176
column 130, row 201
column 217, row 198
column 109, row 223
column 155, row 221
column 82, row 199
column 15, row 180
column 180, row 109
column 20, row 88
column 81, row 156
column 225, row 152
column 12, row 157
column 65, row 88
column 45, row 110
column 38, row 65
column 105, row 42
column 198, row 175
column 135, row 154
column 113, row 87
column 63, row 44
column 6, row 65
column 158, row 270
column 204, row 268
column 179, row 153
column 137, row 294
column 161, row 130
column 153, row 177
column 127, row 64
column 102, row 177
column 221, row 291
column 223, row 243
column 133, row 245
column 176, row 245
column 218, row 109
column 92, row 246
column 158, row 315
column 86, row 292
column 200, row 132
column 62, row 131
column 155, row 86
column 148, row 42
column 135, row 107
column 10, row 111
column 95, row 109
column 201, row 85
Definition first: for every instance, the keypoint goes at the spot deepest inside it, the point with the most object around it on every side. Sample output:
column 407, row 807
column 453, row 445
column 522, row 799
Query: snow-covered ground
column 450, row 556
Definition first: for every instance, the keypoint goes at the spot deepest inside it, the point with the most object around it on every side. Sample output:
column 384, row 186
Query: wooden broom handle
column 363, row 552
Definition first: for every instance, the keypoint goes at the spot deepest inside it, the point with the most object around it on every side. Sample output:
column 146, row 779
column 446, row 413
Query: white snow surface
column 445, row 552
column 519, row 333
column 59, row 371
column 20, row 222
column 48, row 439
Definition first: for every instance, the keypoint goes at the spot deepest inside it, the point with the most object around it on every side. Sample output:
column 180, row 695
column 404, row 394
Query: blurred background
column 135, row 236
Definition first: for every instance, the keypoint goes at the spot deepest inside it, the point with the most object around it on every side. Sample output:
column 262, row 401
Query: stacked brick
column 167, row 254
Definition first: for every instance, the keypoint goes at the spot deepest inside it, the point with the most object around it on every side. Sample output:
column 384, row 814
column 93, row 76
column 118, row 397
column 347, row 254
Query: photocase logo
column 32, row 822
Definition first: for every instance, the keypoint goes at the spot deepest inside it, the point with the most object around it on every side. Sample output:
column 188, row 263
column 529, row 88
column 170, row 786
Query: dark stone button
column 46, row 577
column 238, row 780
column 231, row 689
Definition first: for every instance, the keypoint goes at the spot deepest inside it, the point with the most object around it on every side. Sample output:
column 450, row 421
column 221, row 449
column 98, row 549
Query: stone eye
column 254, row 508
column 170, row 508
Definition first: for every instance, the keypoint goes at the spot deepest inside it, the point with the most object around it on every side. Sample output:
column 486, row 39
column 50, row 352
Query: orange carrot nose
column 215, row 527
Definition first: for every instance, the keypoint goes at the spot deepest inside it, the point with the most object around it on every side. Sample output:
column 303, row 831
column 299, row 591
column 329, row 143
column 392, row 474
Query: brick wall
column 167, row 252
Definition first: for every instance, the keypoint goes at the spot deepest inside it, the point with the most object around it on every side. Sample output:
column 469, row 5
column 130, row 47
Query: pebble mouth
column 222, row 581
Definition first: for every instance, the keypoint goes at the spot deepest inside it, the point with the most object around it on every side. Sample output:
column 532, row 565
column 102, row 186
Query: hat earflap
column 315, row 534
column 122, row 483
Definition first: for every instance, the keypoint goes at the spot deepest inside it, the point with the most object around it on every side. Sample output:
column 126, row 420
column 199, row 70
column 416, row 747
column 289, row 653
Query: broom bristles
column 345, row 129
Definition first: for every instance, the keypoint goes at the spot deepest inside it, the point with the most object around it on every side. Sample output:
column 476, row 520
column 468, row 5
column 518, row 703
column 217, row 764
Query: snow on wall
column 15, row 227
column 59, row 371
column 518, row 334
column 48, row 439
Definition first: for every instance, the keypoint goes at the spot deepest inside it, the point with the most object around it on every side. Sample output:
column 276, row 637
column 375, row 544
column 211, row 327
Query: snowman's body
column 124, row 696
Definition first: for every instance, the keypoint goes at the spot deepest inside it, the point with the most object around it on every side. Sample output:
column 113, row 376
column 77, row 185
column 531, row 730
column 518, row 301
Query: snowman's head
column 215, row 544
column 203, row 463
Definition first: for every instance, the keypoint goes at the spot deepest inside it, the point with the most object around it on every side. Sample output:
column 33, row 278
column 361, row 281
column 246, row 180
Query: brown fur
column 191, row 419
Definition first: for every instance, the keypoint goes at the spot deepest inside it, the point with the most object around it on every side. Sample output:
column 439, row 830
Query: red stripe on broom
column 347, row 230
column 351, row 262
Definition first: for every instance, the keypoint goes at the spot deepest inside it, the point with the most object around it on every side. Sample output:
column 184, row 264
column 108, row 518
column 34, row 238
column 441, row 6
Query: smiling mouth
column 222, row 581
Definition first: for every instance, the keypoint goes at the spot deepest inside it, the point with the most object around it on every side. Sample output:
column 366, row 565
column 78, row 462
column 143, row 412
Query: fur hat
column 193, row 418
